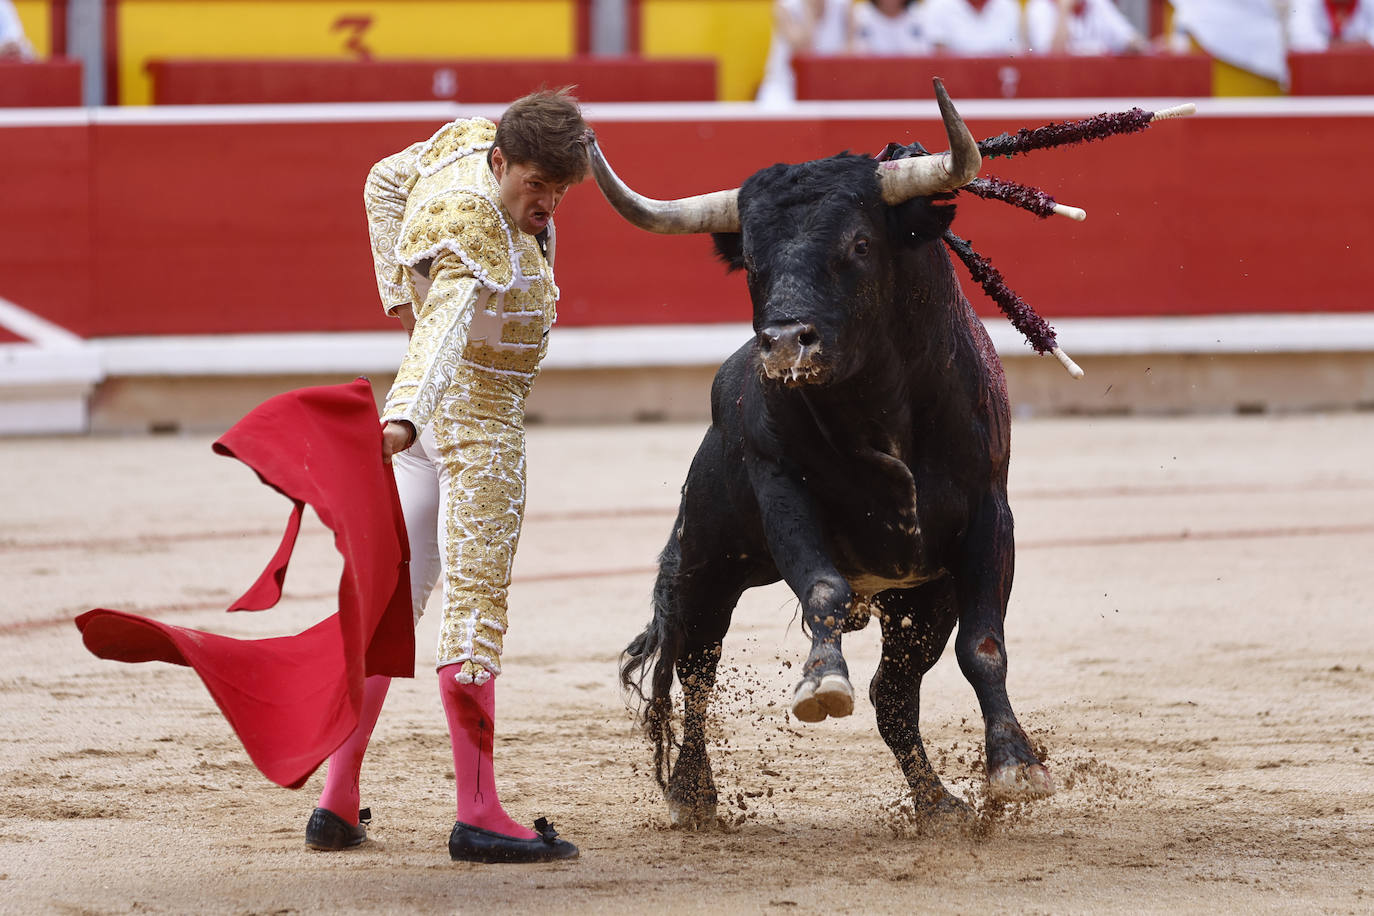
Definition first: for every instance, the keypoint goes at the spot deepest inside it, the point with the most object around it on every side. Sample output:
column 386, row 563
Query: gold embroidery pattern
column 524, row 362
column 479, row 429
column 436, row 347
column 522, row 332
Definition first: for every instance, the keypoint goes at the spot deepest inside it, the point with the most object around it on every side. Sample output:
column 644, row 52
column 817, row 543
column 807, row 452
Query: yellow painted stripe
column 734, row 32
column 332, row 30
column 36, row 18
column 1228, row 79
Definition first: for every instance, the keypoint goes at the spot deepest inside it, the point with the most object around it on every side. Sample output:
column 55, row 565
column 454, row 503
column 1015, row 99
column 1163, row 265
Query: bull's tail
column 654, row 653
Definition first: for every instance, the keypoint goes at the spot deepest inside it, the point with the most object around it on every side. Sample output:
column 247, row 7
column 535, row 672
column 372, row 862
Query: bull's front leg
column 983, row 587
column 795, row 540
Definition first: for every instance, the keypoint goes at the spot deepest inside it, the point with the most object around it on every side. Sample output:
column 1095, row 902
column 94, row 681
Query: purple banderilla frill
column 1098, row 127
column 1009, row 192
column 1022, row 317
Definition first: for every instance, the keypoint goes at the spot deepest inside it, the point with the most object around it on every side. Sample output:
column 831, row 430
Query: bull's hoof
column 1020, row 782
column 815, row 700
column 944, row 814
column 691, row 816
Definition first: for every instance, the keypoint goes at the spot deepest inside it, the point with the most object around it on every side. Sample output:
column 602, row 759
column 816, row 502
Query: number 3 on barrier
column 356, row 26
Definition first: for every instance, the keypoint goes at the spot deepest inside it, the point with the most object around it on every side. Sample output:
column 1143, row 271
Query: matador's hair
column 545, row 129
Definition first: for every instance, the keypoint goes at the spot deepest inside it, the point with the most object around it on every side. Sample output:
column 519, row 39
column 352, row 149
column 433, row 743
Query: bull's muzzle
column 790, row 351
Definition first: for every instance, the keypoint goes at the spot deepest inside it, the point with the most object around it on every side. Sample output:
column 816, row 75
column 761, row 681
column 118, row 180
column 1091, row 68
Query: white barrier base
column 650, row 346
column 46, row 381
column 58, row 409
column 49, row 385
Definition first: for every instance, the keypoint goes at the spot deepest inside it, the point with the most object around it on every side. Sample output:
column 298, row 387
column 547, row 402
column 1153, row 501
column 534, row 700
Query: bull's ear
column 730, row 249
column 944, row 216
column 926, row 219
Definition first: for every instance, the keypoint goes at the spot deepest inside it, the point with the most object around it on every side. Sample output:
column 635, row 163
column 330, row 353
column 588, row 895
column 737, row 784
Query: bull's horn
column 714, row 212
column 903, row 179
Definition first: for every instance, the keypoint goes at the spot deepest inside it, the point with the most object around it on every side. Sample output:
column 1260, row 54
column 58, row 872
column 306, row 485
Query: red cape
column 293, row 700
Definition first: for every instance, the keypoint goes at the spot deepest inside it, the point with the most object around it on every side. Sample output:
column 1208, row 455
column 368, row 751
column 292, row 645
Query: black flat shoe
column 473, row 844
column 326, row 830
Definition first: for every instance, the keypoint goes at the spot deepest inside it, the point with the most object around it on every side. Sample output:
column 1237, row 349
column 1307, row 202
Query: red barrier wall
column 45, row 229
column 159, row 228
column 231, row 82
column 40, row 84
column 1026, row 77
column 1339, row 71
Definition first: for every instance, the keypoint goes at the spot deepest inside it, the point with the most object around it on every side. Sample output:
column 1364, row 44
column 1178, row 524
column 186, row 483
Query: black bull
column 858, row 450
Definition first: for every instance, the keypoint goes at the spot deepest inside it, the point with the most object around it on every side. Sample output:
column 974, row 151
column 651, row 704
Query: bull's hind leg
column 691, row 789
column 1015, row 773
column 706, row 598
column 916, row 625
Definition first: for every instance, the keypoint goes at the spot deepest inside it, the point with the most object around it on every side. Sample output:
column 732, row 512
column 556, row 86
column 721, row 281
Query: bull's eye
column 861, row 246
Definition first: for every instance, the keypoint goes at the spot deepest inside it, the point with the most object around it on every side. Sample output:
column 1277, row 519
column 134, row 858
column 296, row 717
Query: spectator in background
column 802, row 27
column 13, row 44
column 1316, row 25
column 975, row 28
column 1079, row 27
column 890, row 28
column 1243, row 33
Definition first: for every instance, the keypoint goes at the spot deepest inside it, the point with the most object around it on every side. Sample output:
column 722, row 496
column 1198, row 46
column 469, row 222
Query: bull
column 858, row 450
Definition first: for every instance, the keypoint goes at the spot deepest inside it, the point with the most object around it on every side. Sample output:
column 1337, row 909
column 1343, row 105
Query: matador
column 463, row 245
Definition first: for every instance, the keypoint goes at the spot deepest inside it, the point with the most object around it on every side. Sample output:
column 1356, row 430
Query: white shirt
column 899, row 36
column 1102, row 29
column 12, row 38
column 830, row 37
column 1309, row 27
column 1245, row 33
column 960, row 29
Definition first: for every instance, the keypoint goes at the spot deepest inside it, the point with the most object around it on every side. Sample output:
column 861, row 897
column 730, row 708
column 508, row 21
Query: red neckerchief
column 1339, row 13
column 1080, row 7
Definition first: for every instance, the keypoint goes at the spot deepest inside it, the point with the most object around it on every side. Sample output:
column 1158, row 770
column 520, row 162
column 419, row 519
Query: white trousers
column 418, row 485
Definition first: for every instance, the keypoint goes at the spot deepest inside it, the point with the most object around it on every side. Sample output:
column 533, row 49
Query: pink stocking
column 470, row 709
column 340, row 793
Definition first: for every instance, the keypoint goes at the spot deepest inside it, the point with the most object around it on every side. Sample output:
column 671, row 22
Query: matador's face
column 528, row 196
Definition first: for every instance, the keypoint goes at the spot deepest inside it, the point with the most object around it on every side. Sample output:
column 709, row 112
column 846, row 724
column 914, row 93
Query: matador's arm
column 388, row 187
column 436, row 344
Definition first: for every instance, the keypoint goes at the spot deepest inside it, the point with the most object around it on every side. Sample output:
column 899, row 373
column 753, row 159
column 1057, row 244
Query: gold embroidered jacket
column 491, row 298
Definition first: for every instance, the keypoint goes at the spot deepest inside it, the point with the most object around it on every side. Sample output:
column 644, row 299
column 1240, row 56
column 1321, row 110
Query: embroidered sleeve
column 437, row 343
column 384, row 197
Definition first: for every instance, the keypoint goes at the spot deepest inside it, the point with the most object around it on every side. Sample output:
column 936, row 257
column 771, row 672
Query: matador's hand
column 397, row 436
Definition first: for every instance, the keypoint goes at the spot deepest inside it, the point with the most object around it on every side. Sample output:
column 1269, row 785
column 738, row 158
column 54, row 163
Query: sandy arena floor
column 1191, row 638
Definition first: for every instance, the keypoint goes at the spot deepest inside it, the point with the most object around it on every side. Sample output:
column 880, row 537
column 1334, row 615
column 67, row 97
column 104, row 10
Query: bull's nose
column 793, row 338
column 790, row 351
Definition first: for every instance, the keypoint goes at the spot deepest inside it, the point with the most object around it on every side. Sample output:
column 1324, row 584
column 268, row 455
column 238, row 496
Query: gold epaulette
column 468, row 224
column 454, row 141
